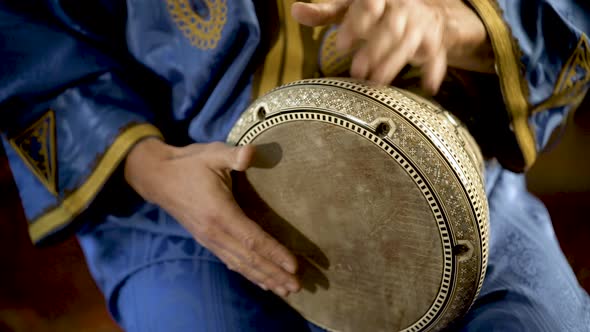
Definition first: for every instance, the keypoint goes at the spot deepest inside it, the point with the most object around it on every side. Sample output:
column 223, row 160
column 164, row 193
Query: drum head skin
column 380, row 195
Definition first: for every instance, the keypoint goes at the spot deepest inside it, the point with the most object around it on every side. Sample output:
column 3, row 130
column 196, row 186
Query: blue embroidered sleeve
column 67, row 118
column 204, row 51
column 543, row 63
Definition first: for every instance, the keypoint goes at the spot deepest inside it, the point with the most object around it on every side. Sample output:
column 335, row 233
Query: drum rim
column 309, row 114
column 460, row 171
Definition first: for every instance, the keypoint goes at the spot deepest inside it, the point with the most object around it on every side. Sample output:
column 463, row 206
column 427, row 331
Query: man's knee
column 197, row 295
column 508, row 311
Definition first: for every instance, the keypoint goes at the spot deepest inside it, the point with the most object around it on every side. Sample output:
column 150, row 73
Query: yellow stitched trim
column 570, row 98
column 43, row 131
column 203, row 33
column 511, row 79
column 273, row 63
column 293, row 56
column 79, row 199
column 580, row 58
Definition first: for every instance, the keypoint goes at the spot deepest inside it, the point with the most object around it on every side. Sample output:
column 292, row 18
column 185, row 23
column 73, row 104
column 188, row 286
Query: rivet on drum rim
column 384, row 127
column 463, row 250
column 261, row 113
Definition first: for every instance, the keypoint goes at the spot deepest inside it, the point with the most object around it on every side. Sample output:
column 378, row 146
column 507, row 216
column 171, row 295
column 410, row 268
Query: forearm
column 141, row 166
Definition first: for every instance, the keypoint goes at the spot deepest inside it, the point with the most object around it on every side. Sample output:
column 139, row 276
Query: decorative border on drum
column 312, row 114
column 429, row 127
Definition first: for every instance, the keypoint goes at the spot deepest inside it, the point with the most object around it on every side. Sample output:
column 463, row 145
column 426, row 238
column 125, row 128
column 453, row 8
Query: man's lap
column 155, row 277
column 196, row 295
column 529, row 284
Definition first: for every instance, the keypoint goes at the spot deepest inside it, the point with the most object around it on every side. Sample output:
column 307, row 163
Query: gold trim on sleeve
column 274, row 61
column 80, row 198
column 512, row 81
column 580, row 59
column 293, row 55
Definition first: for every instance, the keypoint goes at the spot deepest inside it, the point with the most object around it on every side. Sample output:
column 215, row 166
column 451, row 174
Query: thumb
column 323, row 13
column 222, row 156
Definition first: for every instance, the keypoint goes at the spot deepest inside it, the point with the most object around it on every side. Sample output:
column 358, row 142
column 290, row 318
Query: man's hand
column 390, row 34
column 193, row 184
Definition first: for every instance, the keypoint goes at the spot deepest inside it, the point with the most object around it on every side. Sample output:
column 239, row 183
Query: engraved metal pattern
column 310, row 115
column 429, row 137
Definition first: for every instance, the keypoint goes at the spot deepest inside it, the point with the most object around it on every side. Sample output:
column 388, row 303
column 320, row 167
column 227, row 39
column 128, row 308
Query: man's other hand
column 387, row 35
column 193, row 184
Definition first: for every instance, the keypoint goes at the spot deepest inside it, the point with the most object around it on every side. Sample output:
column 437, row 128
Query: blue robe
column 82, row 83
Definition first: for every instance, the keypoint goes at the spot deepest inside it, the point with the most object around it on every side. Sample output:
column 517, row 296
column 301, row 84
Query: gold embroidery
column 580, row 60
column 332, row 61
column 571, row 86
column 79, row 199
column 512, row 82
column 37, row 147
column 203, row 33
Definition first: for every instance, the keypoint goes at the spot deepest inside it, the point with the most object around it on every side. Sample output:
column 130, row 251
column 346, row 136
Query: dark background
column 50, row 289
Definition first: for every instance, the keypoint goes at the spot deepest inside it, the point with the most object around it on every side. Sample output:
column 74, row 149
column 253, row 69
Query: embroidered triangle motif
column 36, row 145
column 576, row 72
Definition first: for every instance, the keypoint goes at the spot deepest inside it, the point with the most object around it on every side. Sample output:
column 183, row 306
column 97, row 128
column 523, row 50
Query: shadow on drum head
column 311, row 259
column 267, row 155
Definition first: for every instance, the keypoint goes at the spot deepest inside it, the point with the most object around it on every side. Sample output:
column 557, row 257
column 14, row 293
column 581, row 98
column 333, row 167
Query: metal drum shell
column 429, row 142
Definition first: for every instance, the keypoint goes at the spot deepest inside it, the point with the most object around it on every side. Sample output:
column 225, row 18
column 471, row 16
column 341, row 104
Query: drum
column 378, row 192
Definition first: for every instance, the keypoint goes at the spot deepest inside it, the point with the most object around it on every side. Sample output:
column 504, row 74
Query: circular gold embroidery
column 203, row 33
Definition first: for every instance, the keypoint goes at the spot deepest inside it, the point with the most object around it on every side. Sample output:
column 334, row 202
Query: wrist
column 470, row 47
column 142, row 168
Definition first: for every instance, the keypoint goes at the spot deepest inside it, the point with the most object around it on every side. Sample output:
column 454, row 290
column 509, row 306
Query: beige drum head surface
column 389, row 226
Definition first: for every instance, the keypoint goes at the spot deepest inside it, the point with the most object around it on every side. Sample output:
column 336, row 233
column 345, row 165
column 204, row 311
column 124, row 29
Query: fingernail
column 343, row 42
column 429, row 88
column 292, row 287
column 262, row 286
column 240, row 162
column 359, row 68
column 288, row 267
column 281, row 291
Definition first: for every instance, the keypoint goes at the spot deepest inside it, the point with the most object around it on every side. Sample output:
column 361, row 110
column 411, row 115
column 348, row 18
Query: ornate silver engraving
column 431, row 139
